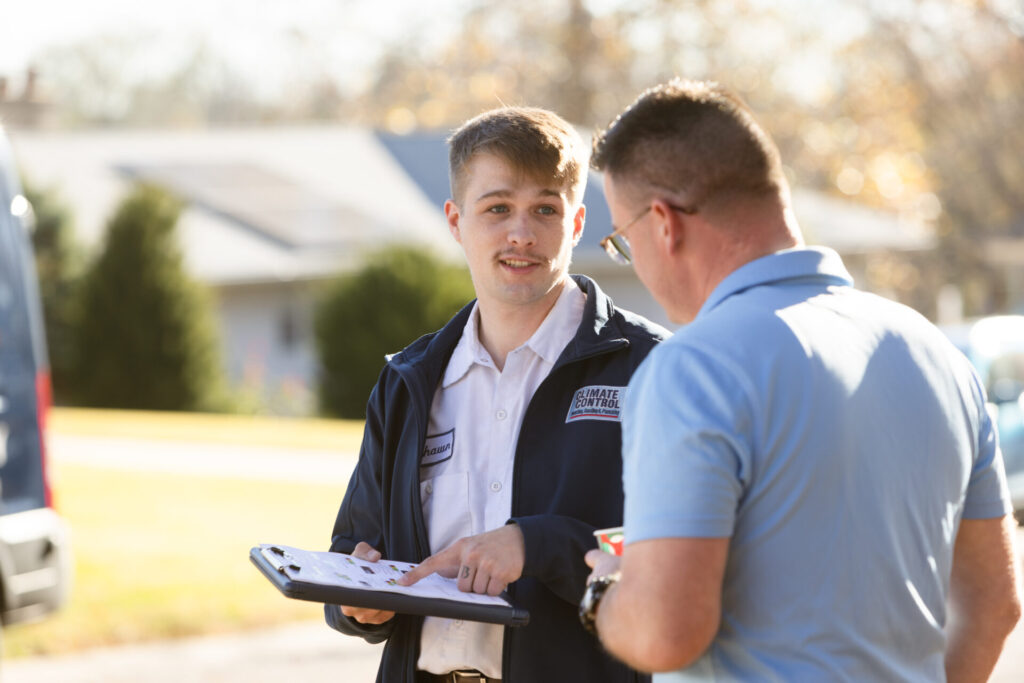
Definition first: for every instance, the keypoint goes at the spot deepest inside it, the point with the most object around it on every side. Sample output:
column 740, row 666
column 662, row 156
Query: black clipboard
column 339, row 579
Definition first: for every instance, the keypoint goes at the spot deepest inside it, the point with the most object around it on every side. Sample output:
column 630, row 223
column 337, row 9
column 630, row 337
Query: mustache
column 520, row 256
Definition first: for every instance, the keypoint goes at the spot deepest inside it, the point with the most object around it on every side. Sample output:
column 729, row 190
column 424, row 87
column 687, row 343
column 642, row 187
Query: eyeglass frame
column 621, row 253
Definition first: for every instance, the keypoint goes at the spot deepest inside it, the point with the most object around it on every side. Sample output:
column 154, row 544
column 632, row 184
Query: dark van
column 34, row 548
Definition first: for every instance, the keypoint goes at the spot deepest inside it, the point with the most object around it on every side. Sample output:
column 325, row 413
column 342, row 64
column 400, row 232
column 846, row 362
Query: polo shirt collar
column 820, row 263
column 468, row 351
column 547, row 341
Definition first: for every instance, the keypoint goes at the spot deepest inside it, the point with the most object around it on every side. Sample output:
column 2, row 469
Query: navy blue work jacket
column 567, row 482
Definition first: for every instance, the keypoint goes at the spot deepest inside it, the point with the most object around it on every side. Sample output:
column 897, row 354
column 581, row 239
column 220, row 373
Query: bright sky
column 268, row 41
column 264, row 38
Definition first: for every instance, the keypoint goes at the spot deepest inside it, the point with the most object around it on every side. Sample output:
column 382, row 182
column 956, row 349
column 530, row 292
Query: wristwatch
column 592, row 598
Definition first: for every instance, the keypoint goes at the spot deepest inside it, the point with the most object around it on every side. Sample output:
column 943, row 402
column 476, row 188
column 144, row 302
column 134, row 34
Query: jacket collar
column 598, row 332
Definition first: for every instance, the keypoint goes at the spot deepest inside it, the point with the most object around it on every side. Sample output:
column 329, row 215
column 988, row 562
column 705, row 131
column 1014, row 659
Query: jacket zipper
column 506, row 660
column 422, row 538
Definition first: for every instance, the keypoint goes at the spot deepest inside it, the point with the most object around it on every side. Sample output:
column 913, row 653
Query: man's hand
column 365, row 551
column 485, row 563
column 602, row 563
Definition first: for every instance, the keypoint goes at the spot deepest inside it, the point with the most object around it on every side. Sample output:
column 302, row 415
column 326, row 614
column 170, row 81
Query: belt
column 458, row 677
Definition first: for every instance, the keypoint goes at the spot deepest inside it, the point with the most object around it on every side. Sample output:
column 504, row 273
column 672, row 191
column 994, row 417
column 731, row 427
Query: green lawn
column 160, row 555
column 343, row 435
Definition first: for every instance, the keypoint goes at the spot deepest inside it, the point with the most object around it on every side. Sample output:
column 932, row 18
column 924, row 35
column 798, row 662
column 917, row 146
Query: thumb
column 365, row 551
column 592, row 557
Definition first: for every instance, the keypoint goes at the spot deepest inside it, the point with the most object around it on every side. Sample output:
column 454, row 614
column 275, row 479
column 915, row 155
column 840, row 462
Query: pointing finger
column 424, row 569
column 438, row 563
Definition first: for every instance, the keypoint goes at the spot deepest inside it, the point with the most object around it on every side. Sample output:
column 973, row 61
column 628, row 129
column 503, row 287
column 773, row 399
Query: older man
column 813, row 486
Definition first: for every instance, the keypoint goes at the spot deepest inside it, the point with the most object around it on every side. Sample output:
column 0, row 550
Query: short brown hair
column 535, row 141
column 695, row 139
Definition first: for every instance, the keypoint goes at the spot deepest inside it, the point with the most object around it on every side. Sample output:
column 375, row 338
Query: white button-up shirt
column 466, row 466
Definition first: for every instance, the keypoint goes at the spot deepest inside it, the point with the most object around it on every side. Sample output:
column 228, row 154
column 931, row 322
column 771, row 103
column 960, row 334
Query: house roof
column 291, row 203
column 263, row 204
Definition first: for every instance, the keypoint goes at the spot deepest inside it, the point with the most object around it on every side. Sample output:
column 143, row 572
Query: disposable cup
column 610, row 540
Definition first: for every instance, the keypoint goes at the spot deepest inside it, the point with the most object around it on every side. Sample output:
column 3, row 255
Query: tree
column 536, row 52
column 934, row 89
column 144, row 332
column 109, row 80
column 58, row 264
column 400, row 294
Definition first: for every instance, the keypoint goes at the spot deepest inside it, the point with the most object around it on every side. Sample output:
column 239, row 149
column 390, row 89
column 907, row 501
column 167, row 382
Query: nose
column 521, row 230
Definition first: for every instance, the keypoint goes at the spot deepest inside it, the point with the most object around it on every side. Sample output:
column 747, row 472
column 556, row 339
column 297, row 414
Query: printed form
column 338, row 569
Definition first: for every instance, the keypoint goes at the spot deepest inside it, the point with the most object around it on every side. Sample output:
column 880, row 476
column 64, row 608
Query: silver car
column 995, row 345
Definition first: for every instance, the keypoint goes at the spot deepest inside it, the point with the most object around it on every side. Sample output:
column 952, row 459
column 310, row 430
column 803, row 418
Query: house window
column 288, row 328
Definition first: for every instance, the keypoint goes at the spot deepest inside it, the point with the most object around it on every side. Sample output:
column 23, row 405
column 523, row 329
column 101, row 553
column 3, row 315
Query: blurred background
column 299, row 141
column 237, row 205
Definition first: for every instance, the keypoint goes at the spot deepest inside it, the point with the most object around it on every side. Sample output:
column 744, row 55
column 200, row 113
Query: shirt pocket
column 446, row 509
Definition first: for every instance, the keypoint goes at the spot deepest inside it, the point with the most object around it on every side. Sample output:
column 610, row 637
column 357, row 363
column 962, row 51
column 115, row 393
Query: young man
column 479, row 457
column 822, row 498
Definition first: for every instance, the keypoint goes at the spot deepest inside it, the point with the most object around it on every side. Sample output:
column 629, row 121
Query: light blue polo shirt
column 838, row 439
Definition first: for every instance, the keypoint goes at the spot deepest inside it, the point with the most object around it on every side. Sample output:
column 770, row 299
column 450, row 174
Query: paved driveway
column 308, row 652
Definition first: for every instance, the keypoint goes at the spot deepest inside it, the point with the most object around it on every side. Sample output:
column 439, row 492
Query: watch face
column 591, row 598
column 588, row 596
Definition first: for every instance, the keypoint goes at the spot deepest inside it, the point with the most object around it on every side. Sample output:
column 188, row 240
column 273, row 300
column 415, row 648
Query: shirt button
column 501, row 415
column 495, row 486
column 430, row 488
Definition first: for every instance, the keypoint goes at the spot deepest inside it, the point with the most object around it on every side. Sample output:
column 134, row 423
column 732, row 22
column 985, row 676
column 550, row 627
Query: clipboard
column 339, row 579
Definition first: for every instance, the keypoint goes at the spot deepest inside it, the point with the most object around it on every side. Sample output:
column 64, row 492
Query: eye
column 547, row 210
column 497, row 208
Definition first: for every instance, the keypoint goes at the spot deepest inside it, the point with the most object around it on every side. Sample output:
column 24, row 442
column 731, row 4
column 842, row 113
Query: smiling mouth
column 516, row 263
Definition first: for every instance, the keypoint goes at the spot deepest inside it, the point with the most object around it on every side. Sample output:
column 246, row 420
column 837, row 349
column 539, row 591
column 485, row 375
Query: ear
column 577, row 224
column 672, row 226
column 451, row 212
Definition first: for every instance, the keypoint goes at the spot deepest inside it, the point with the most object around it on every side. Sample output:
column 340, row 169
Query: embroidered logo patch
column 596, row 403
column 439, row 447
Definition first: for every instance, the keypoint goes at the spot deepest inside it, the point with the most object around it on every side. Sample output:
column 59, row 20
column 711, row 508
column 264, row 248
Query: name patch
column 438, row 448
column 596, row 403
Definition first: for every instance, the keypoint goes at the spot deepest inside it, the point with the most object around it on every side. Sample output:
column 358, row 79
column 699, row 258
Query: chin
column 526, row 294
column 678, row 316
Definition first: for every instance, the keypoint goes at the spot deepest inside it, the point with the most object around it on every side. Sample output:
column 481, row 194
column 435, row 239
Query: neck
column 728, row 248
column 505, row 327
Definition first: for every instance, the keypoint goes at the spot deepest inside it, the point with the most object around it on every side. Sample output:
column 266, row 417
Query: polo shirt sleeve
column 987, row 493
column 686, row 445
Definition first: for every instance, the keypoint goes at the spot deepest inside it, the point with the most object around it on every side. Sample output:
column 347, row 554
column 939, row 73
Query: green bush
column 401, row 294
column 144, row 331
column 58, row 264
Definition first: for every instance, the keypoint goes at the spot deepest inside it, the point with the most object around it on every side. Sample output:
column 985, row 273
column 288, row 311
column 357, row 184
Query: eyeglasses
column 617, row 246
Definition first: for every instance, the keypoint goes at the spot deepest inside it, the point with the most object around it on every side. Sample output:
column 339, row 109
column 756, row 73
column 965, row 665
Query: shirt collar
column 548, row 341
column 805, row 262
column 468, row 351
